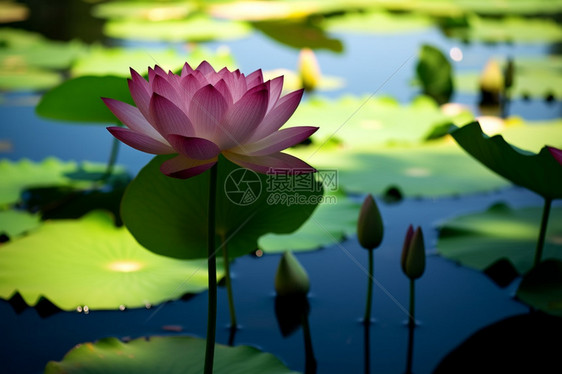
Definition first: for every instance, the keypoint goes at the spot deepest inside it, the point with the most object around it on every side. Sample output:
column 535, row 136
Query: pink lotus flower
column 201, row 113
column 556, row 153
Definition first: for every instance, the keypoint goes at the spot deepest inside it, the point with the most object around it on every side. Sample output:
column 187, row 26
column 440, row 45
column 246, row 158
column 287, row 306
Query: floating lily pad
column 533, row 78
column 194, row 29
column 28, row 79
column 434, row 169
column 334, row 220
column 117, row 61
column 171, row 355
column 479, row 240
column 169, row 216
column 378, row 23
column 145, row 10
column 364, row 121
column 541, row 287
column 14, row 223
column 79, row 99
column 17, row 176
column 509, row 29
column 91, row 262
column 540, row 172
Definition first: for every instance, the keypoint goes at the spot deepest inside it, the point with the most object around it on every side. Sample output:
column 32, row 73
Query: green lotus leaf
column 14, row 222
column 509, row 29
column 19, row 175
column 28, row 79
column 79, row 99
column 370, row 122
column 540, row 172
column 117, row 61
column 333, row 221
column 378, row 23
column 144, row 10
column 418, row 170
column 170, row 355
column 479, row 240
column 169, row 216
column 194, row 29
column 533, row 78
column 435, row 73
column 541, row 287
column 91, row 262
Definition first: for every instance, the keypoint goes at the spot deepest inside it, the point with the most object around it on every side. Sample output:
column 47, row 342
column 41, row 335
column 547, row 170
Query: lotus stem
column 231, row 308
column 212, row 271
column 412, row 314
column 367, row 318
column 542, row 232
column 112, row 160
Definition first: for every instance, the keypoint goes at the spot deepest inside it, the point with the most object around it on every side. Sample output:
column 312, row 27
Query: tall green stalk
column 542, row 232
column 212, row 271
column 367, row 318
column 112, row 159
column 231, row 309
column 412, row 317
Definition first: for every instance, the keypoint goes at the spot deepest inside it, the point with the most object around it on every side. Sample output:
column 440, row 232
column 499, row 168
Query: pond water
column 453, row 302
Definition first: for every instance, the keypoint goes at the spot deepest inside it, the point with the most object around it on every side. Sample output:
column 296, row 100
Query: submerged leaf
column 170, row 355
column 91, row 262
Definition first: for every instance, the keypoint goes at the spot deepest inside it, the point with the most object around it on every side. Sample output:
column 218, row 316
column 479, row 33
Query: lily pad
column 479, row 240
column 19, row 175
column 540, row 172
column 28, row 79
column 333, row 221
column 541, row 287
column 368, row 122
column 117, row 61
column 145, row 10
column 193, row 29
column 14, row 222
column 91, row 262
column 169, row 216
column 79, row 99
column 171, row 355
column 378, row 23
column 509, row 29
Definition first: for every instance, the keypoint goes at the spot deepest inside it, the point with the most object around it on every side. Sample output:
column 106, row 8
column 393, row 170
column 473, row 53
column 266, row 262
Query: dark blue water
column 452, row 302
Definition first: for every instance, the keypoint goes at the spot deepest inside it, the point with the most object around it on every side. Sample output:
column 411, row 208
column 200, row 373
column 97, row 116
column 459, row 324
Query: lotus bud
column 413, row 253
column 369, row 225
column 491, row 83
column 309, row 70
column 291, row 278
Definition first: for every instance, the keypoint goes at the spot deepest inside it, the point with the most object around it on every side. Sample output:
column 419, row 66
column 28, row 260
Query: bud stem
column 542, row 233
column 412, row 316
column 367, row 318
column 231, row 309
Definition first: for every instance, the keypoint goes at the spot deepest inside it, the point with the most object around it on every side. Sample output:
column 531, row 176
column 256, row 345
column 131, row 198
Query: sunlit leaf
column 479, row 240
column 28, row 79
column 541, row 287
column 91, row 262
column 14, row 222
column 540, row 172
column 435, row 73
column 169, row 216
column 378, row 23
column 171, row 355
column 332, row 222
column 364, row 121
column 193, row 29
column 16, row 176
column 146, row 10
column 117, row 61
column 79, row 99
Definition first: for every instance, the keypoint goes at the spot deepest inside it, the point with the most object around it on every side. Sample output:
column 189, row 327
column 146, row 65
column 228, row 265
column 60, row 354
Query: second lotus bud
column 413, row 253
column 369, row 225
